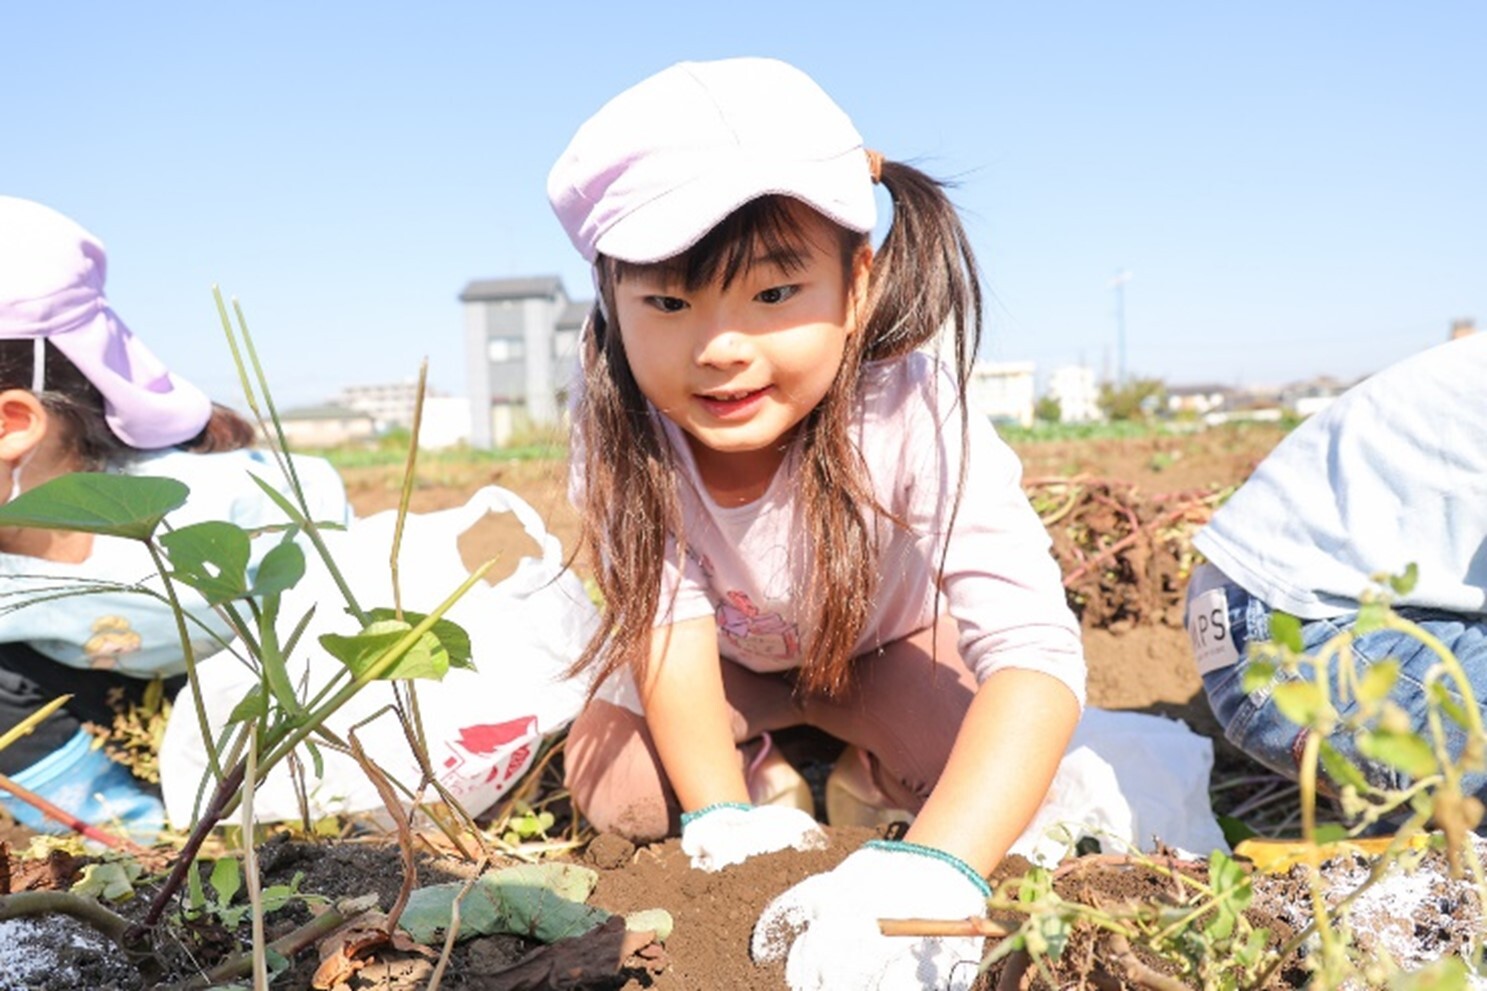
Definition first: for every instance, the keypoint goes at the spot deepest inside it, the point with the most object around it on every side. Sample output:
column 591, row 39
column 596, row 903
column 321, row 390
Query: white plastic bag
column 483, row 727
column 1128, row 780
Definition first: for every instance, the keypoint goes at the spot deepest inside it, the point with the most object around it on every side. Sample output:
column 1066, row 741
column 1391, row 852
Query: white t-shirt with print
column 1394, row 472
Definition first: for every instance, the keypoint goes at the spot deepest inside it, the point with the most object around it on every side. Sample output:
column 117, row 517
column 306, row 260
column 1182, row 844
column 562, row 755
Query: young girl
column 79, row 392
column 794, row 516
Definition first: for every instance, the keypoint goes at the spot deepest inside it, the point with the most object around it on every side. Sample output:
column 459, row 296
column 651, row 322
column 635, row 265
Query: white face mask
column 15, row 474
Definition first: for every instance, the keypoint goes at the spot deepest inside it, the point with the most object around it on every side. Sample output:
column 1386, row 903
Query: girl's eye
column 667, row 304
column 777, row 294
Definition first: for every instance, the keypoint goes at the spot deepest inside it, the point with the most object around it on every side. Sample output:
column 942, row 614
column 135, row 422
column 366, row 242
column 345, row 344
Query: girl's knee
column 614, row 776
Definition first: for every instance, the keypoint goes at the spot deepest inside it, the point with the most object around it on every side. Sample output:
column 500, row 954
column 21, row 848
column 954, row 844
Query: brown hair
column 77, row 405
column 924, row 275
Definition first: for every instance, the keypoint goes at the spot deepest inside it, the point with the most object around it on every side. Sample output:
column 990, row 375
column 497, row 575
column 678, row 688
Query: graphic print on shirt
column 112, row 636
column 763, row 634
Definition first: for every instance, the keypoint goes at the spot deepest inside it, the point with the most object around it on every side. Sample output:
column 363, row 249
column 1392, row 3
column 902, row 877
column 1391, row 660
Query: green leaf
column 281, row 568
column 1257, row 675
column 1005, row 948
column 1235, row 830
column 425, row 659
column 1404, row 751
column 652, row 920
column 539, row 901
column 1371, row 617
column 254, row 705
column 226, row 879
column 1254, row 948
column 276, row 896
column 129, row 506
column 1441, row 696
column 1285, row 630
column 1035, row 884
column 1299, row 701
column 1221, row 926
column 196, row 895
column 1340, row 769
column 211, row 557
column 1404, row 583
column 451, row 635
column 1055, row 931
column 110, row 880
column 1378, row 681
column 1330, row 832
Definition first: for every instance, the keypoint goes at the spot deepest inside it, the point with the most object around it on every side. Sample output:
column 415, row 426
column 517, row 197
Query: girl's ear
column 861, row 276
column 23, row 424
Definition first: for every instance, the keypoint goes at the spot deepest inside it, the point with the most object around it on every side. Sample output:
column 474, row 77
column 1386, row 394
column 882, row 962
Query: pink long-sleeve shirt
column 1000, row 584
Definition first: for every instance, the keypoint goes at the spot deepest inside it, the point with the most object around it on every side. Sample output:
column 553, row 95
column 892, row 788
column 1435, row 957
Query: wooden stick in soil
column 69, row 820
column 943, row 927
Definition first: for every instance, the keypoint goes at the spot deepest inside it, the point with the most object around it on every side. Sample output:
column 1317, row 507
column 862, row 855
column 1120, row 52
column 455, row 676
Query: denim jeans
column 1252, row 721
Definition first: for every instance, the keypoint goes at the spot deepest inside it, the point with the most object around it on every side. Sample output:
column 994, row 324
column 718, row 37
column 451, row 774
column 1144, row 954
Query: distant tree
column 1137, row 400
column 1048, row 409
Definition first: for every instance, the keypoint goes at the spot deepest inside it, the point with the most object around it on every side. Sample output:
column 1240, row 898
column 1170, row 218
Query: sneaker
column 853, row 798
column 773, row 780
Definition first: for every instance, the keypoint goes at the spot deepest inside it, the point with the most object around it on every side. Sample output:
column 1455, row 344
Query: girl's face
column 738, row 367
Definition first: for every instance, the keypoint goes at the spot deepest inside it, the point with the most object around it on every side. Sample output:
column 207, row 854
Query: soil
column 1153, row 490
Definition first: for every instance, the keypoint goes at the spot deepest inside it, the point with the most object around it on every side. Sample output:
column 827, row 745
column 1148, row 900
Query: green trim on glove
column 689, row 817
column 901, row 846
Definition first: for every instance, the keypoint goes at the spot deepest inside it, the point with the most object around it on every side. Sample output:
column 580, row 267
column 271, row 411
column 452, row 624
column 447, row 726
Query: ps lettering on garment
column 1208, row 629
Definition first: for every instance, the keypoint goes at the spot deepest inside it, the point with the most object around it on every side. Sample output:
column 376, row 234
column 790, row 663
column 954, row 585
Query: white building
column 1004, row 391
column 391, row 404
column 326, row 426
column 521, row 354
column 1197, row 400
column 1077, row 392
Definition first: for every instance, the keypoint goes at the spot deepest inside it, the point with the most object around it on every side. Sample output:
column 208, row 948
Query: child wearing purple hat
column 796, row 520
column 79, row 392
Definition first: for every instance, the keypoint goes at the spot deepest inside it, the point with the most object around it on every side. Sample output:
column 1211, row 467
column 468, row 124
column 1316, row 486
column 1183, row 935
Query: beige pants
column 904, row 708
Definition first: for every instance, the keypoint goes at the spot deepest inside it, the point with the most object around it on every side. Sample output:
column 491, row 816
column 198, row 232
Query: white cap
column 664, row 162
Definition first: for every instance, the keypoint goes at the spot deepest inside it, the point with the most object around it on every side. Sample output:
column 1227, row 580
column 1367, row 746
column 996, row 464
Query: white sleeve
column 1000, row 581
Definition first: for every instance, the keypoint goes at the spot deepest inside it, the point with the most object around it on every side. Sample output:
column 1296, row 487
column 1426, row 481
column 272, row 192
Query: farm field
column 1121, row 511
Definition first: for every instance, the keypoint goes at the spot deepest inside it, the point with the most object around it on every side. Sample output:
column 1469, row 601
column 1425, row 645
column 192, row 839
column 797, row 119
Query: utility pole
column 1118, row 283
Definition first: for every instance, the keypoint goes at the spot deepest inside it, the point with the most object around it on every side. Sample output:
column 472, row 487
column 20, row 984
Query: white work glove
column 730, row 833
column 828, row 924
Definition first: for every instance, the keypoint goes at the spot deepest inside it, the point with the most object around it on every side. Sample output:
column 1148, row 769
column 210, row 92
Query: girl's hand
column 828, row 924
column 731, row 833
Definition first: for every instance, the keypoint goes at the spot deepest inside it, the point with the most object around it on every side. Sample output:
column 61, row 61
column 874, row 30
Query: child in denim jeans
column 79, row 392
column 1393, row 473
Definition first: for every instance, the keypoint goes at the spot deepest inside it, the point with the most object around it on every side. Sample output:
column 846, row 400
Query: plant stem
column 188, row 655
column 226, row 789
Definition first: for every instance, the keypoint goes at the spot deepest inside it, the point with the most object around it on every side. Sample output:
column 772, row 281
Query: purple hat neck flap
column 51, row 289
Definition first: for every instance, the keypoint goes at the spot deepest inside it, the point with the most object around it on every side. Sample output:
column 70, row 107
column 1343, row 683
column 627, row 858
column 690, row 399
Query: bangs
column 770, row 228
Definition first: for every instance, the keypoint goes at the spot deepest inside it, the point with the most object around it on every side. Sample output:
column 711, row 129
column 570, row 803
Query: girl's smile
column 733, row 404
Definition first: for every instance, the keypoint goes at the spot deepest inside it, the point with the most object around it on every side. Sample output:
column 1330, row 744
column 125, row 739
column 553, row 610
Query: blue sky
column 1295, row 188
